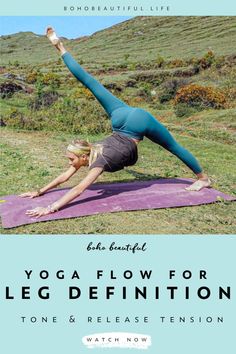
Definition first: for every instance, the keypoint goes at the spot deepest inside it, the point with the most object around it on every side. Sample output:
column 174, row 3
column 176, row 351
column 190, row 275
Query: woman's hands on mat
column 31, row 195
column 56, row 182
column 69, row 196
column 39, row 211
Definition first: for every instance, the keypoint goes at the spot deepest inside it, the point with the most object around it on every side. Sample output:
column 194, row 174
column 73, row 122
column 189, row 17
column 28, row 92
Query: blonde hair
column 80, row 147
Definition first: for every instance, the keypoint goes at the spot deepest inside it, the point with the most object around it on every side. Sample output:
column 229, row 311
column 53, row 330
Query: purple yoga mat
column 109, row 198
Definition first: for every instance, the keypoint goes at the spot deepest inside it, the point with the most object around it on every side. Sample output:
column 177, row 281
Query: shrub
column 123, row 65
column 145, row 91
column 79, row 116
column 45, row 96
column 207, row 60
column 66, row 114
column 51, row 79
column 176, row 63
column 230, row 93
column 132, row 66
column 220, row 62
column 160, row 61
column 39, row 88
column 150, row 77
column 14, row 119
column 169, row 89
column 82, row 92
column 201, row 97
column 187, row 72
column 45, row 99
column 16, row 64
column 138, row 100
column 33, row 76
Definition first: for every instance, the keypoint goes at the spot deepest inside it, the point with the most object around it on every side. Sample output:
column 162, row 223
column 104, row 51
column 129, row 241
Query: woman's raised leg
column 105, row 97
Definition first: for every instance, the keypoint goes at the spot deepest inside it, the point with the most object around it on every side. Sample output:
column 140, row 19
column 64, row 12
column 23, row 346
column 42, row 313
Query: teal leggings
column 129, row 121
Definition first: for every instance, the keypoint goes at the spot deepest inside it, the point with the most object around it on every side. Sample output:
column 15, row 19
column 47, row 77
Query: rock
column 9, row 76
column 139, row 33
column 130, row 83
column 2, row 123
column 20, row 78
column 7, row 89
column 113, row 86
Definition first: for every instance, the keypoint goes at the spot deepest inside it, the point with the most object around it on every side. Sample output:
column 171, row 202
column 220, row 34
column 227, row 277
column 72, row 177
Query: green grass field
column 129, row 64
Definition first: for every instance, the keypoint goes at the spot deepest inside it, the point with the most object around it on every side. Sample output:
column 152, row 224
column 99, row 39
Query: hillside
column 138, row 39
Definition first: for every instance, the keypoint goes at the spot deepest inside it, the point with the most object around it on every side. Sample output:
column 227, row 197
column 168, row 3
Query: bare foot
column 199, row 184
column 51, row 34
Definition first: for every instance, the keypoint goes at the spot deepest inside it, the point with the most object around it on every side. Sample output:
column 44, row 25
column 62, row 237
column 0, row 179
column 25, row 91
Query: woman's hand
column 60, row 179
column 68, row 197
column 32, row 194
column 39, row 211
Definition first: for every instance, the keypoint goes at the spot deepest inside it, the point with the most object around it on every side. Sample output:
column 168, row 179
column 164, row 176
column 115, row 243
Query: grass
column 140, row 37
column 28, row 164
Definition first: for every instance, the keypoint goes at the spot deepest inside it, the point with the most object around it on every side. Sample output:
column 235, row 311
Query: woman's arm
column 58, row 180
column 69, row 196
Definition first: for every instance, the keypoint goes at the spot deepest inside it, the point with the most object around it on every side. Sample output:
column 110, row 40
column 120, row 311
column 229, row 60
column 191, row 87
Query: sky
column 66, row 26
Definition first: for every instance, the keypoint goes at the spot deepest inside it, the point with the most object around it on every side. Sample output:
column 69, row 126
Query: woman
column 129, row 126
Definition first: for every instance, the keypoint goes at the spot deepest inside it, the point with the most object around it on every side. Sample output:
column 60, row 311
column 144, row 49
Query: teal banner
column 162, row 294
column 119, row 8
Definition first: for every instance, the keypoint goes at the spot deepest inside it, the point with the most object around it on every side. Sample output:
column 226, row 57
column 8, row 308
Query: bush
column 208, row 59
column 176, row 63
column 14, row 119
column 51, row 79
column 132, row 66
column 123, row 65
column 44, row 96
column 160, row 61
column 145, row 91
column 81, row 92
column 16, row 63
column 79, row 116
column 67, row 115
column 230, row 93
column 220, row 62
column 32, row 76
column 165, row 97
column 169, row 89
column 201, row 97
column 45, row 99
column 150, row 77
